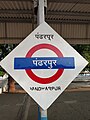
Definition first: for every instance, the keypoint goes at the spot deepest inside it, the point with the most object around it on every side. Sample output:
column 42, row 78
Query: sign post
column 42, row 114
column 43, row 64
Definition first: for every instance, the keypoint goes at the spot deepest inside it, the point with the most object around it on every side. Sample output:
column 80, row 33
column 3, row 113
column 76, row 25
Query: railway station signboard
column 44, row 64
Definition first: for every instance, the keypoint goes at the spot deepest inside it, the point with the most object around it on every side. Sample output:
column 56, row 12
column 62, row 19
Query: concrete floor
column 69, row 106
column 10, row 105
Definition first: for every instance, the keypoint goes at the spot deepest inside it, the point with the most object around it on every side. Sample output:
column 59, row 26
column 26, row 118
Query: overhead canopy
column 70, row 18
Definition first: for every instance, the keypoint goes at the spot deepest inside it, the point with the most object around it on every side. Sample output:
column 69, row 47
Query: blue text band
column 44, row 63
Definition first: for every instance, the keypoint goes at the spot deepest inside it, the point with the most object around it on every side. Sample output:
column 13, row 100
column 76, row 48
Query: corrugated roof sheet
column 55, row 10
column 20, row 5
column 70, row 18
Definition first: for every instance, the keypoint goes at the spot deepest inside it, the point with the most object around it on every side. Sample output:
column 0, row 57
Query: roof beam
column 68, row 21
column 14, row 11
column 71, row 1
column 29, row 20
column 22, row 20
column 60, row 1
column 57, row 1
column 18, row 0
column 68, row 13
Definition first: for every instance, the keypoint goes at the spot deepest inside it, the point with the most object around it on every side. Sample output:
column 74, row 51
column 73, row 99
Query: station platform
column 71, row 105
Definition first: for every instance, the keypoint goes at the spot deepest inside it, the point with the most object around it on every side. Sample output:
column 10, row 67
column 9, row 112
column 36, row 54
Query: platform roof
column 16, row 15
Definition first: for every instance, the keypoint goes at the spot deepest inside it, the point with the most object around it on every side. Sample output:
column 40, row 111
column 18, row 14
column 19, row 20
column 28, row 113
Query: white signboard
column 44, row 64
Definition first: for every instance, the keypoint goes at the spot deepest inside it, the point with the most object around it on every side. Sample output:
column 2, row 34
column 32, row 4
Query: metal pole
column 39, row 113
column 40, row 14
column 42, row 114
